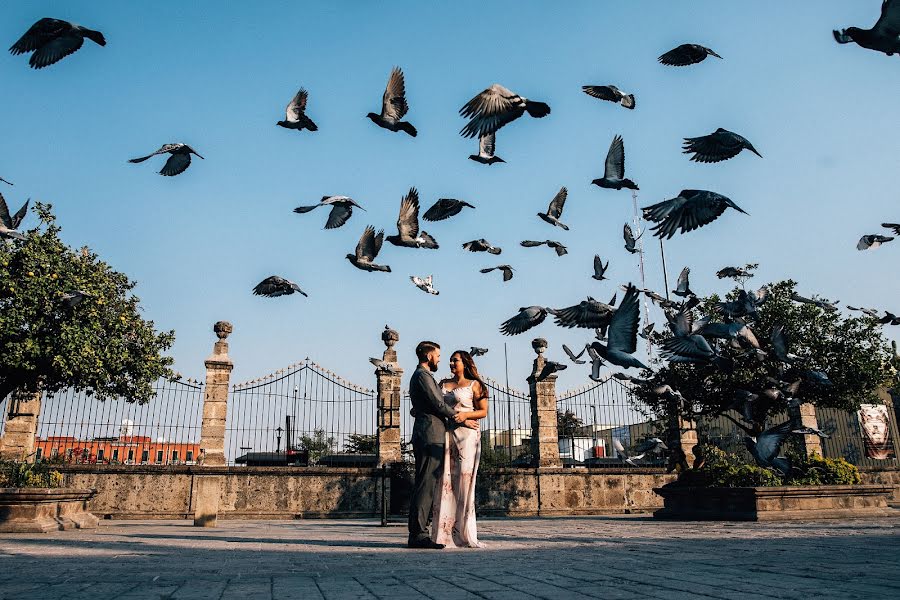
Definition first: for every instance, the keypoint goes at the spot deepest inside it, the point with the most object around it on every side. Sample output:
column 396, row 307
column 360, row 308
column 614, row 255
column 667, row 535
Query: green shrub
column 20, row 474
column 824, row 471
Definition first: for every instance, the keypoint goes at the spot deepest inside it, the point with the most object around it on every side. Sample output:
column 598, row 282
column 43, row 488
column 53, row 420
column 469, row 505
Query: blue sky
column 218, row 77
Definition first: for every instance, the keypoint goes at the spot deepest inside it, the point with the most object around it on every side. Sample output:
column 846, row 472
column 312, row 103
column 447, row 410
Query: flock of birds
column 616, row 327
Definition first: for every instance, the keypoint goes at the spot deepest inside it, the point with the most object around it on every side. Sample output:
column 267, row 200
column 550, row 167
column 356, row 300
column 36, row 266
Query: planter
column 38, row 510
column 773, row 503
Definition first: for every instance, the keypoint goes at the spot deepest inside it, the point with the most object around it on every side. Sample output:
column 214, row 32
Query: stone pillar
column 804, row 415
column 215, row 400
column 388, row 377
column 682, row 436
column 207, row 490
column 544, row 433
column 21, row 426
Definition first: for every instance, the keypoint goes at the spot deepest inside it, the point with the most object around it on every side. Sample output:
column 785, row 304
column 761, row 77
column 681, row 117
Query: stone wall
column 884, row 476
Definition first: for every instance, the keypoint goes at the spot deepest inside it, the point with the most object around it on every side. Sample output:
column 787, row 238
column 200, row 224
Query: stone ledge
column 39, row 510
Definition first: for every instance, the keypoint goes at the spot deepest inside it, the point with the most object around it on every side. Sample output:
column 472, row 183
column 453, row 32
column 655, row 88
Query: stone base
column 773, row 503
column 39, row 510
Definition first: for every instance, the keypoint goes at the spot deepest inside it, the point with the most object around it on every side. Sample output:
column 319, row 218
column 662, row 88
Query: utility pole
column 662, row 253
column 639, row 234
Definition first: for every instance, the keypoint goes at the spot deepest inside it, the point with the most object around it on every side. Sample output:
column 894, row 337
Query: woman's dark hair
column 470, row 371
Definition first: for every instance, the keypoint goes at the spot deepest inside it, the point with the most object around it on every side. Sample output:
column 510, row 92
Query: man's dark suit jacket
column 431, row 411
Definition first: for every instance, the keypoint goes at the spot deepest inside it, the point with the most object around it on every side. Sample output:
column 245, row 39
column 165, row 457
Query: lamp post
column 278, row 431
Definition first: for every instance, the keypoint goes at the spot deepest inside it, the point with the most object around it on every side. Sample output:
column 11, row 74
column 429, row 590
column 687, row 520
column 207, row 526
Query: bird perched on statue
column 367, row 250
column 599, row 268
column 622, row 333
column 384, row 366
column 445, row 208
column 177, row 163
column 341, row 209
column 295, row 114
column 717, row 146
column 560, row 249
column 550, row 368
column 495, row 107
column 884, row 36
column 476, row 351
column 481, row 245
column 274, row 286
column 426, row 284
column 686, row 54
column 683, row 288
column 555, row 210
column 51, row 40
column 872, row 241
column 394, row 106
column 688, row 211
column 505, row 269
column 408, row 234
column 10, row 223
column 527, row 317
column 610, row 93
column 630, row 240
column 487, row 145
column 614, row 168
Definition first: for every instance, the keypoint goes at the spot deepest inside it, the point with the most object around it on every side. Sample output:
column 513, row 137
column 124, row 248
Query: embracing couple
column 447, row 444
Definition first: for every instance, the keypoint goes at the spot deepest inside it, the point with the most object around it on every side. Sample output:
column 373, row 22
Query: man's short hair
column 425, row 348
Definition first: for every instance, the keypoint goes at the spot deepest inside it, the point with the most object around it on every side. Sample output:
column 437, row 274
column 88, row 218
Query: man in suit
column 428, row 440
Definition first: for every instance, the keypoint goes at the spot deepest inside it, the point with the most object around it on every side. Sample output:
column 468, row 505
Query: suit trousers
column 429, row 468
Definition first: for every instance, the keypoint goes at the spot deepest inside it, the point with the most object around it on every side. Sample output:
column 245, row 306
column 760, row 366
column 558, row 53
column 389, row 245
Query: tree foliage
column 851, row 351
column 101, row 345
column 568, row 423
column 361, row 443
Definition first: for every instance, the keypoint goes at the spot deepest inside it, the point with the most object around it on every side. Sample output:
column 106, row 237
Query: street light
column 278, row 431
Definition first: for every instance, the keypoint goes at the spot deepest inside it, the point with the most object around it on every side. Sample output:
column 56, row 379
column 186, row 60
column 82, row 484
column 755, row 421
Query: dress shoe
column 425, row 543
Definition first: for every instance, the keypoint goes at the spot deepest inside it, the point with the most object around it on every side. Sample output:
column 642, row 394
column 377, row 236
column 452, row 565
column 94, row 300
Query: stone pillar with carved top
column 804, row 415
column 544, row 432
column 215, row 400
column 388, row 376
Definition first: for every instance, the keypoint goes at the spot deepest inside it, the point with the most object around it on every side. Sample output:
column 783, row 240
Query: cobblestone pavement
column 587, row 557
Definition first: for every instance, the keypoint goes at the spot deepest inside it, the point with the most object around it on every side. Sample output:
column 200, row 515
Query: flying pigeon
column 75, row 297
column 9, row 224
column 481, row 245
column 487, row 145
column 555, row 210
column 52, row 40
column 687, row 345
column 495, row 107
column 445, row 208
column 610, row 93
column 367, row 249
column 623, row 326
column 717, row 146
column 409, row 235
column 394, row 106
column 599, row 268
column 686, row 54
column 528, row 317
column 690, row 210
column 295, row 114
column 893, row 226
column 426, row 285
column 869, row 311
column 560, row 249
column 476, row 351
column 823, row 304
column 889, row 318
column 274, row 286
column 684, row 286
column 736, row 330
column 780, row 341
column 575, row 358
column 177, row 163
column 587, row 314
column 506, row 269
column 733, row 273
column 652, row 445
column 872, row 241
column 647, row 330
column 341, row 209
column 884, row 35
column 630, row 240
column 765, row 447
column 614, row 169
column 550, row 368
column 5, row 181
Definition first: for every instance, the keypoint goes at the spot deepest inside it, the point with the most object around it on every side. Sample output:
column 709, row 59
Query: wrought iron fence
column 590, row 418
column 78, row 428
column 302, row 410
column 505, row 433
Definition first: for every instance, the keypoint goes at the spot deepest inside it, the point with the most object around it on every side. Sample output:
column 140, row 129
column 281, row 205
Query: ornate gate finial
column 223, row 329
column 389, row 337
column 539, row 345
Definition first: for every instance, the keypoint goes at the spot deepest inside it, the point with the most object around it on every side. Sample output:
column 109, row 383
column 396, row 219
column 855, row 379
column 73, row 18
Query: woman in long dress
column 453, row 517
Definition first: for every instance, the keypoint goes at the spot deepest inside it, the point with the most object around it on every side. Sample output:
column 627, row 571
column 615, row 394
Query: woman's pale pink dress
column 453, row 519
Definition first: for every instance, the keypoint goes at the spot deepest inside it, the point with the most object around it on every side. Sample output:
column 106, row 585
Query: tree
column 567, row 423
column 51, row 340
column 849, row 351
column 361, row 443
column 317, row 445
